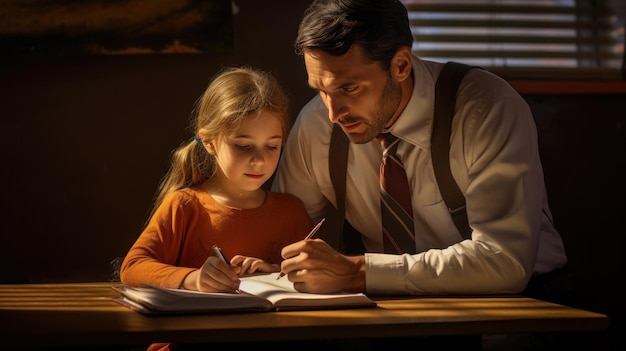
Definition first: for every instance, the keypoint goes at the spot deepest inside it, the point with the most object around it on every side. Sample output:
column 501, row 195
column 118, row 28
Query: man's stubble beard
column 388, row 105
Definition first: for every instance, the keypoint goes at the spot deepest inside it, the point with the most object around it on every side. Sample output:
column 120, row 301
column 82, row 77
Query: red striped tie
column 395, row 197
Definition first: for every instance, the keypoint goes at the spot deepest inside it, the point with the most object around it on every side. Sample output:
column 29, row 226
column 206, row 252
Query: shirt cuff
column 385, row 274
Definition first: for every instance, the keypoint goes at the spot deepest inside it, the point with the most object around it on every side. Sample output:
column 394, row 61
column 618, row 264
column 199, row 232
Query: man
column 358, row 58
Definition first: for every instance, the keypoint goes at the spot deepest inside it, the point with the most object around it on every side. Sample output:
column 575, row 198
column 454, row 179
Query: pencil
column 309, row 236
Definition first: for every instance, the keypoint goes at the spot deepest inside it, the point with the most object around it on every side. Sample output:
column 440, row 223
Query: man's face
column 360, row 95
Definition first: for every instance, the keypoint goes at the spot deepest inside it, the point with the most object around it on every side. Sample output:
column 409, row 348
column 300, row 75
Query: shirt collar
column 414, row 124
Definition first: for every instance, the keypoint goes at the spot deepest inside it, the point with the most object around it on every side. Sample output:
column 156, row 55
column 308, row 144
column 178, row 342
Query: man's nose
column 336, row 109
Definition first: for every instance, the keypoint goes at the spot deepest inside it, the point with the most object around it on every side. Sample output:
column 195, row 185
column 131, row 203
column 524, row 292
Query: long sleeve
column 179, row 237
column 494, row 160
column 504, row 195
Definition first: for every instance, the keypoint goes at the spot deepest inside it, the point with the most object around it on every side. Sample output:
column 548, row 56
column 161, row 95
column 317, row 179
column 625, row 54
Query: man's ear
column 402, row 63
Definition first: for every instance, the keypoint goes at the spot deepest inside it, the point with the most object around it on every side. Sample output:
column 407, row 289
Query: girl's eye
column 249, row 147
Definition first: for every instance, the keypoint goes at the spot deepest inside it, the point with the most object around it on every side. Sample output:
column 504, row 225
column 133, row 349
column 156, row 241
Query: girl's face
column 248, row 157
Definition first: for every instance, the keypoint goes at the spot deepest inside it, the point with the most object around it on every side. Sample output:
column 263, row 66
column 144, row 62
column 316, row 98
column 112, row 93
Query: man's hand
column 314, row 267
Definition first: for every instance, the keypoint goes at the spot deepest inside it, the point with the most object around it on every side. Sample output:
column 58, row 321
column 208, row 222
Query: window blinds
column 532, row 39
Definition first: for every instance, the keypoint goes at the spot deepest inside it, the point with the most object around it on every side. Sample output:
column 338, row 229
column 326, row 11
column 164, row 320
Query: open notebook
column 259, row 293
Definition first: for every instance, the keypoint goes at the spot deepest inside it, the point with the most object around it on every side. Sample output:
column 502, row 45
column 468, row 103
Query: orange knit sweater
column 180, row 234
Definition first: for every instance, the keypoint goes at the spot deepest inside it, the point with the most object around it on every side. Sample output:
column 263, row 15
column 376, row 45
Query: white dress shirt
column 494, row 160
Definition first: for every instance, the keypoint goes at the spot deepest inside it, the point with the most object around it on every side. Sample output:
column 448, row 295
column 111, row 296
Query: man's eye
column 350, row 89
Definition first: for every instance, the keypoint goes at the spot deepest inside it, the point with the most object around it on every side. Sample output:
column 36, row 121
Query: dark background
column 84, row 141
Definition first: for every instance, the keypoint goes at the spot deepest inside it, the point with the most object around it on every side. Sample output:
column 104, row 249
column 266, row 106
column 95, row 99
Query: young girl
column 213, row 195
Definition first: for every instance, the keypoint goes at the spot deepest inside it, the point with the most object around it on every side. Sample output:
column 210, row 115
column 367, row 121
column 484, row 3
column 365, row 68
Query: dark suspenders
column 445, row 97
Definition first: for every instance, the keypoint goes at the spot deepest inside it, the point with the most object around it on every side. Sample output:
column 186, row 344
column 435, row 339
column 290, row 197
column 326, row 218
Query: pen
column 309, row 236
column 218, row 253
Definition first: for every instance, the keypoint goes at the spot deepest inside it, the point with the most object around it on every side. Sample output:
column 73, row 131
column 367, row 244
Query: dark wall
column 582, row 140
column 85, row 140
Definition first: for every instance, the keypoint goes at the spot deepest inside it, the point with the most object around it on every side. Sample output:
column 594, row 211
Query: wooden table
column 84, row 315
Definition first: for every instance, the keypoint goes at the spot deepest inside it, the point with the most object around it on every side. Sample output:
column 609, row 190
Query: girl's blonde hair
column 232, row 94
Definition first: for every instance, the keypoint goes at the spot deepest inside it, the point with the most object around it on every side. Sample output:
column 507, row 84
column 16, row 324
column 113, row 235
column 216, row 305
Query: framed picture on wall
column 105, row 27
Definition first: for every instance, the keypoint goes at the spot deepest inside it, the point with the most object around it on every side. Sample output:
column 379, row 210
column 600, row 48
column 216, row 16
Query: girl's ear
column 208, row 144
column 210, row 148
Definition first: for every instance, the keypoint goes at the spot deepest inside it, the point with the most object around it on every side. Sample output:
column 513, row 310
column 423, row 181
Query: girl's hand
column 213, row 276
column 250, row 265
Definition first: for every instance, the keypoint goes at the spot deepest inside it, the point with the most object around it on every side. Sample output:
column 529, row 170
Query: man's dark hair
column 380, row 27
